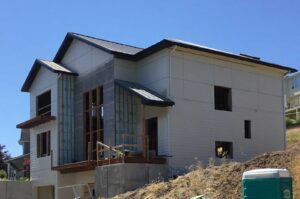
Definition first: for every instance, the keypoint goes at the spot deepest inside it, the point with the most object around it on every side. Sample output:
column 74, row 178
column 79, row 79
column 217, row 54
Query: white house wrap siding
column 66, row 132
column 195, row 125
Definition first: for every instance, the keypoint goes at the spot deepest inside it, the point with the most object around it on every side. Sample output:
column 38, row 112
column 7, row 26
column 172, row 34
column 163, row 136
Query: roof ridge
column 74, row 33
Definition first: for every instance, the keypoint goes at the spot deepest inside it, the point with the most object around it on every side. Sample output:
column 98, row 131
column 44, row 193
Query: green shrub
column 289, row 121
column 3, row 174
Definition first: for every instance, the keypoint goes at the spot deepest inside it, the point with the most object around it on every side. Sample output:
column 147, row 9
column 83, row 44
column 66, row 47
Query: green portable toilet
column 267, row 184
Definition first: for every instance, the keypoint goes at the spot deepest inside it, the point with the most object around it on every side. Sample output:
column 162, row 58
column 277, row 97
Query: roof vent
column 249, row 56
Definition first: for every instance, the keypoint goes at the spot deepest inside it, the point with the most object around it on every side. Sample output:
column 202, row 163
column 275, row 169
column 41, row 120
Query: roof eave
column 34, row 71
column 241, row 58
column 167, row 44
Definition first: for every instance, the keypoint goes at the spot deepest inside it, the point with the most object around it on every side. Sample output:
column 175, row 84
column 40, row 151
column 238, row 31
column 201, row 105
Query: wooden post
column 123, row 137
column 51, row 155
column 147, row 147
column 109, row 151
column 143, row 131
column 97, row 151
column 89, row 152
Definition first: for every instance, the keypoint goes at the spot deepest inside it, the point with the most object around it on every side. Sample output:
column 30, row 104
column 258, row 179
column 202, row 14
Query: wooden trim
column 48, row 143
column 92, row 164
column 38, row 149
column 35, row 121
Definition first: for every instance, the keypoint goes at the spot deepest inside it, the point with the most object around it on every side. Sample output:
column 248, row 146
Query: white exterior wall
column 40, row 168
column 195, row 125
column 125, row 70
column 44, row 81
column 152, row 72
column 82, row 58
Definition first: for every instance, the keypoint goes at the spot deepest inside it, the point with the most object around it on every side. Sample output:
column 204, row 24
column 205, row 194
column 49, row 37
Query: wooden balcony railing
column 111, row 153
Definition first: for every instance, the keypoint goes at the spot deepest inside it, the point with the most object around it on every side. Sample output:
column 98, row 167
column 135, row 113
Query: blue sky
column 268, row 29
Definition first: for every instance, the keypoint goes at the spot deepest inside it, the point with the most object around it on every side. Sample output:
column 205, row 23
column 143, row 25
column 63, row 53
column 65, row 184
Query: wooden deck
column 92, row 164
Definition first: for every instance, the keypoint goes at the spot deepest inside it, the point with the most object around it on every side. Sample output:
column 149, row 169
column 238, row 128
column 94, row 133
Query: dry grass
column 220, row 182
column 224, row 181
column 292, row 136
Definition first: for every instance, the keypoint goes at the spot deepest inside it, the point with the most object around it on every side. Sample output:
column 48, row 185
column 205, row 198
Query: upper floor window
column 43, row 105
column 43, row 144
column 223, row 98
column 93, row 114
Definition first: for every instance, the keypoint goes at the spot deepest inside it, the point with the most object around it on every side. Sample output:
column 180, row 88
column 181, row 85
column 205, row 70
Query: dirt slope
column 221, row 182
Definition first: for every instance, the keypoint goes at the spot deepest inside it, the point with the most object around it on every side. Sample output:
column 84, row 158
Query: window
column 296, row 82
column 247, row 126
column 44, row 104
column 43, row 144
column 223, row 98
column 93, row 119
column 224, row 149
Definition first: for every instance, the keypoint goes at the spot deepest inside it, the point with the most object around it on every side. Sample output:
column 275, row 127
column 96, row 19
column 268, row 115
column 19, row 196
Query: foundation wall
column 115, row 179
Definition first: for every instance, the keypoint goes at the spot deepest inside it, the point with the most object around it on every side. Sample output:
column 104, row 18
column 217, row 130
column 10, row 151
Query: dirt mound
column 221, row 182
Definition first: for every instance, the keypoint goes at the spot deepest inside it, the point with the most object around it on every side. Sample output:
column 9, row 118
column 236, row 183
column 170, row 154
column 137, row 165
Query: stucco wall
column 15, row 190
column 257, row 95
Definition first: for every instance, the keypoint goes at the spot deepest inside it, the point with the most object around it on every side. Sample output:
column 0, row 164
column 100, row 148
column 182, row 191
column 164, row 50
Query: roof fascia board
column 198, row 48
column 231, row 60
column 63, row 48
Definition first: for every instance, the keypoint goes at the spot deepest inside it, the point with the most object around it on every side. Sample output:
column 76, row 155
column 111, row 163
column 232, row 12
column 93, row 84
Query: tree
column 4, row 155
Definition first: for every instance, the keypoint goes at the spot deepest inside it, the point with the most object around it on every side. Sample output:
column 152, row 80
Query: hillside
column 224, row 181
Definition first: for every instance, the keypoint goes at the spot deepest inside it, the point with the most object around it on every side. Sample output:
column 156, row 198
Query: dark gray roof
column 50, row 65
column 57, row 68
column 109, row 45
column 17, row 162
column 133, row 53
column 148, row 96
column 115, row 48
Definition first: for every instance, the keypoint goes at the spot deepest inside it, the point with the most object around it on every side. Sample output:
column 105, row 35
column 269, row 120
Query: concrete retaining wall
column 114, row 179
column 15, row 190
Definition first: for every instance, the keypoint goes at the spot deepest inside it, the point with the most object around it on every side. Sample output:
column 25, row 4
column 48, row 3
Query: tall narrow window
column 93, row 120
column 43, row 105
column 247, row 126
column 223, row 98
column 43, row 144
